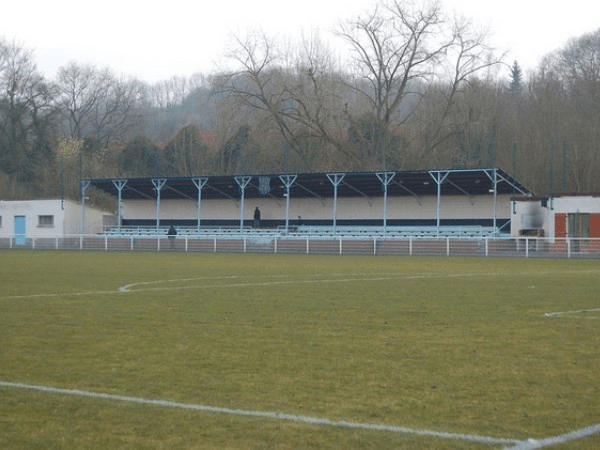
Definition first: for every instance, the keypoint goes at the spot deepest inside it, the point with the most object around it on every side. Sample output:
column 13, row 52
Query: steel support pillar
column 439, row 178
column 288, row 182
column 336, row 180
column 120, row 185
column 385, row 178
column 158, row 183
column 242, row 182
column 199, row 183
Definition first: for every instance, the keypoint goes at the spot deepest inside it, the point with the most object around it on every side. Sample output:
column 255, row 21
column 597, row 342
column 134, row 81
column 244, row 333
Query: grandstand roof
column 352, row 184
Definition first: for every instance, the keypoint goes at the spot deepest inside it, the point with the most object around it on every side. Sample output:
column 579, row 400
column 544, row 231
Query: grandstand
column 469, row 203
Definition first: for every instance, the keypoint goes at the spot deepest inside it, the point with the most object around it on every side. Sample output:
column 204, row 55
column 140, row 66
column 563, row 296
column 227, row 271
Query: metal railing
column 527, row 247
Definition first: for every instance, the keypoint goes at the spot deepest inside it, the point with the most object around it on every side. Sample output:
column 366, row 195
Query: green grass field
column 466, row 346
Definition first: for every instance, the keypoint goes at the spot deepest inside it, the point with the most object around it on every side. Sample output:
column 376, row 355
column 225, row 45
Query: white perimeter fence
column 247, row 243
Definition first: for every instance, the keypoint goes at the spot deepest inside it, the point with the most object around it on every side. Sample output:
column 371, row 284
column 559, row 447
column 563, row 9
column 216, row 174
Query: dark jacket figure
column 256, row 217
column 171, row 234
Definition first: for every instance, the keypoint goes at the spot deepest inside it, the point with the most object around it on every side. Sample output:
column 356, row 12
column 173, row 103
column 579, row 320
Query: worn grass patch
column 459, row 345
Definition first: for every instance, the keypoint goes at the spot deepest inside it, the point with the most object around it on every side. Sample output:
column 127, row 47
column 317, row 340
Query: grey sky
column 154, row 40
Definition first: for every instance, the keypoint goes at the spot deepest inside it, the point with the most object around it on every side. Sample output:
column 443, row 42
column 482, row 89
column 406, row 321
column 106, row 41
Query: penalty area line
column 263, row 414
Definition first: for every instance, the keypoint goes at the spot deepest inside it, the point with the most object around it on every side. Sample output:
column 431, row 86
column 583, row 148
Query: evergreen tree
column 516, row 76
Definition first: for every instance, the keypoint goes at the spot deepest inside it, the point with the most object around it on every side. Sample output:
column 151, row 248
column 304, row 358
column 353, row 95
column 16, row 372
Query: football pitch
column 182, row 350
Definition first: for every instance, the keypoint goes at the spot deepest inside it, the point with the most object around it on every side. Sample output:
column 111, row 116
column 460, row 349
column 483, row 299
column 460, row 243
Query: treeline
column 418, row 89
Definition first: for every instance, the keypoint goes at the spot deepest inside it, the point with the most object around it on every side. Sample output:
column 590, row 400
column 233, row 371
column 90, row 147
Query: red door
column 560, row 225
column 595, row 225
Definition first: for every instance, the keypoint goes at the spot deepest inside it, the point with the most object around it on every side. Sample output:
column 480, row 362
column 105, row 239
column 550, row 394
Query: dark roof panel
column 353, row 184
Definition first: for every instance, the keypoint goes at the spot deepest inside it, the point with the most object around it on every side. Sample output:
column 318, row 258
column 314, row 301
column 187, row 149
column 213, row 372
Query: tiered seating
column 398, row 232
column 316, row 232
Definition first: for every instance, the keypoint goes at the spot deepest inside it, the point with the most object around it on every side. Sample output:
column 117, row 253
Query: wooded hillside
column 416, row 89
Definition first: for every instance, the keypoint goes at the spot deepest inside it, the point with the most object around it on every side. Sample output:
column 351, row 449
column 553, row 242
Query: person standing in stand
column 256, row 217
column 171, row 236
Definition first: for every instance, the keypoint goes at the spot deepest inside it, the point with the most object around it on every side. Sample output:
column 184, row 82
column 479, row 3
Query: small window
column 46, row 221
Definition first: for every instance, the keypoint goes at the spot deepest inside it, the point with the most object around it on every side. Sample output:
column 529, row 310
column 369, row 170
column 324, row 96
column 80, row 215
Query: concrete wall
column 452, row 207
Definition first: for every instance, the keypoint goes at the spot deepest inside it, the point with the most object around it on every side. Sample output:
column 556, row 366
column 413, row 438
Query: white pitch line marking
column 353, row 278
column 264, row 414
column 531, row 444
column 127, row 288
column 566, row 313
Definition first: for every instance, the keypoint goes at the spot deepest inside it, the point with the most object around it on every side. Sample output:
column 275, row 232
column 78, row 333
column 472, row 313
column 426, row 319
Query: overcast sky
column 155, row 40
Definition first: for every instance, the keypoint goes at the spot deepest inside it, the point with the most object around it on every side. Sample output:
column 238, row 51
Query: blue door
column 20, row 230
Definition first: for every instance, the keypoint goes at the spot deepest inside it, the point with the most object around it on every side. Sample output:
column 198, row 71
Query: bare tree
column 186, row 154
column 404, row 51
column 466, row 57
column 566, row 92
column 295, row 94
column 401, row 52
column 25, row 116
column 94, row 103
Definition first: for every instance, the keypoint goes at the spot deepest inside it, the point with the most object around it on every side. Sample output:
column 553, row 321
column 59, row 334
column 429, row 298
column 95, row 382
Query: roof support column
column 199, row 183
column 336, row 180
column 158, row 183
column 119, row 184
column 385, row 178
column 493, row 176
column 439, row 178
column 85, row 184
column 288, row 181
column 242, row 182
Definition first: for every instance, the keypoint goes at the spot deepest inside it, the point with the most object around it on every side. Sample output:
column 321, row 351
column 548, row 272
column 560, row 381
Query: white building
column 564, row 215
column 23, row 218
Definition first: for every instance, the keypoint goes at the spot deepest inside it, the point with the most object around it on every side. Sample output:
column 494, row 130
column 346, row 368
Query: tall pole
column 494, row 179
column 84, row 185
column 564, row 167
column 495, row 182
